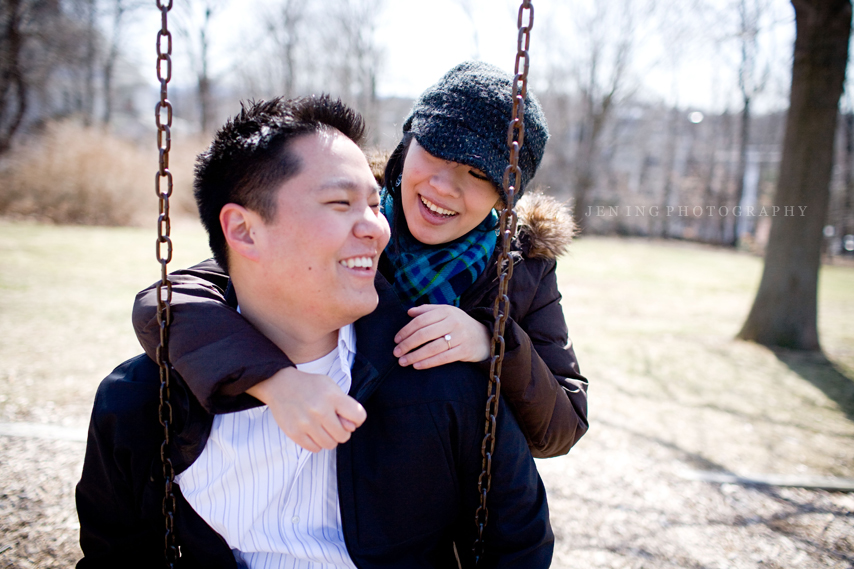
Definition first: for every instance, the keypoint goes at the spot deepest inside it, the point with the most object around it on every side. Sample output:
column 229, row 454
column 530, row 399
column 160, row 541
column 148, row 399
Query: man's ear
column 239, row 225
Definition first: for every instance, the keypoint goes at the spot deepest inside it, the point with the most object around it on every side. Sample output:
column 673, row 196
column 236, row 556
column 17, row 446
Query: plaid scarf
column 438, row 274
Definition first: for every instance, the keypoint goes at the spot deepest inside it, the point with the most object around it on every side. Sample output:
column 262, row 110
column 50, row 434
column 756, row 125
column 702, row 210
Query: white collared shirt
column 274, row 503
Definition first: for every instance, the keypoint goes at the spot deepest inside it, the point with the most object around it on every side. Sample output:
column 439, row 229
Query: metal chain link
column 507, row 228
column 164, row 287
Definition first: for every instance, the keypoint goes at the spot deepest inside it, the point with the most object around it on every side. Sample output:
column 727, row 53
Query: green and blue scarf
column 438, row 274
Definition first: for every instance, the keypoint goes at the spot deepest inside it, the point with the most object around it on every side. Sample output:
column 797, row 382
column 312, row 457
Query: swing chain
column 507, row 229
column 164, row 287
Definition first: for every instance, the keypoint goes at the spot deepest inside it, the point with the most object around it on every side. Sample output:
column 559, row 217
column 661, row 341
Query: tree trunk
column 584, row 179
column 587, row 155
column 12, row 107
column 742, row 161
column 88, row 106
column 109, row 68
column 784, row 311
column 110, row 61
column 707, row 233
column 847, row 225
column 205, row 86
column 669, row 170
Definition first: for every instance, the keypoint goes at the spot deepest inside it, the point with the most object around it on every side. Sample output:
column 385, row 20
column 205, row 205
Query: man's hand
column 310, row 408
column 431, row 323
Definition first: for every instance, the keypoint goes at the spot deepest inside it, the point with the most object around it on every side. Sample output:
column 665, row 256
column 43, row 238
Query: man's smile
column 361, row 262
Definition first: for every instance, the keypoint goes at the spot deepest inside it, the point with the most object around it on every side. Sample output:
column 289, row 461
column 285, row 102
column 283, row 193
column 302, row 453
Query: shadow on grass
column 805, row 422
column 834, row 381
column 692, row 459
column 791, row 521
column 794, row 515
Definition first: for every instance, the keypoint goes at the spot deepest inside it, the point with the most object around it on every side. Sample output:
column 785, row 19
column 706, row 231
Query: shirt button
column 295, row 519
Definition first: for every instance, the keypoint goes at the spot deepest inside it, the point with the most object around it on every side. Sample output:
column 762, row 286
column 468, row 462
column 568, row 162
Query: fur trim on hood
column 545, row 226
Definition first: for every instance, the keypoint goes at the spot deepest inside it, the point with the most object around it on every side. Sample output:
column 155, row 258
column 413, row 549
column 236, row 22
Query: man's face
column 321, row 251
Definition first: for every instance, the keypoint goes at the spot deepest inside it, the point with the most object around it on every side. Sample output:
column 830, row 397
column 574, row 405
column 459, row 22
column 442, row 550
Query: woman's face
column 443, row 200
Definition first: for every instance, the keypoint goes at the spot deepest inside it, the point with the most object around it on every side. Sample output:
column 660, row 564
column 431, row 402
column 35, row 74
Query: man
column 292, row 212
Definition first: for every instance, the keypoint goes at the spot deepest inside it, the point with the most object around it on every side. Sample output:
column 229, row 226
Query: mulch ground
column 670, row 391
column 616, row 501
column 38, row 522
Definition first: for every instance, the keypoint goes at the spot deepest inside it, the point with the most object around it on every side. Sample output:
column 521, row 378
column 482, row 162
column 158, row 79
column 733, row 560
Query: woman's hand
column 430, row 325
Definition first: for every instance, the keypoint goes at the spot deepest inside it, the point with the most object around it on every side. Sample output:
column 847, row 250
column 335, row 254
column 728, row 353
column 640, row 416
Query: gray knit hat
column 464, row 118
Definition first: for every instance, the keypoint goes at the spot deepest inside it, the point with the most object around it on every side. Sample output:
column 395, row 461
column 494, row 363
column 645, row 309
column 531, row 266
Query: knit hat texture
column 464, row 118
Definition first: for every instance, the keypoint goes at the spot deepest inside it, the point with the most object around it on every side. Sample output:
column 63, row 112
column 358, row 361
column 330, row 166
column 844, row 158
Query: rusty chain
column 507, row 228
column 164, row 287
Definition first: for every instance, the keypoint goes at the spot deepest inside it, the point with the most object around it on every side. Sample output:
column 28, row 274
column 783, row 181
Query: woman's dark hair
column 393, row 176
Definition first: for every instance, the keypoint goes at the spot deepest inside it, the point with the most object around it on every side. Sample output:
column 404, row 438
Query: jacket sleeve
column 218, row 353
column 540, row 376
column 112, row 488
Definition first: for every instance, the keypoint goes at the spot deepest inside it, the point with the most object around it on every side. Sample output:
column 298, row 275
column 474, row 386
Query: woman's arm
column 230, row 366
column 215, row 350
column 540, row 376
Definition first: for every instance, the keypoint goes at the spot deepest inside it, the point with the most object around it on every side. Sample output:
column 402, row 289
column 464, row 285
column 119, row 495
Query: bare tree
column 90, row 11
column 355, row 56
column 785, row 308
column 716, row 178
column 194, row 24
column 118, row 14
column 674, row 124
column 276, row 56
column 750, row 84
column 601, row 80
column 847, row 214
column 43, row 62
column 329, row 45
column 284, row 27
column 677, row 28
column 13, row 87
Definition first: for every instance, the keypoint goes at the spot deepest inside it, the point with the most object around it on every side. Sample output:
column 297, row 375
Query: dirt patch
column 37, row 516
column 670, row 390
column 617, row 501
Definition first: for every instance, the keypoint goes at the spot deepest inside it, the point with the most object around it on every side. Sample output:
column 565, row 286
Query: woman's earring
column 399, row 181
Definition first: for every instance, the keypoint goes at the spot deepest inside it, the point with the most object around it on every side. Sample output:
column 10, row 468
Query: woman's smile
column 434, row 211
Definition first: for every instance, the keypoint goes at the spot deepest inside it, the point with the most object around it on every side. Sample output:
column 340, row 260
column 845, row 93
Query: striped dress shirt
column 274, row 503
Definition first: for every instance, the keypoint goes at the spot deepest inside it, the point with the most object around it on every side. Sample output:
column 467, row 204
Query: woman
column 442, row 184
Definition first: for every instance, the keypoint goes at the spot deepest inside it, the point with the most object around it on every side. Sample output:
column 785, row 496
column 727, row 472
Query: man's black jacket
column 407, row 478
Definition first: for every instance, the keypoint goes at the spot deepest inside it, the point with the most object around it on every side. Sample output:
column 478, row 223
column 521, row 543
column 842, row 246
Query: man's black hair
column 249, row 158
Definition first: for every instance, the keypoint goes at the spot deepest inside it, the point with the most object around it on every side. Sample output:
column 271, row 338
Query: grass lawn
column 653, row 325
column 66, row 295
